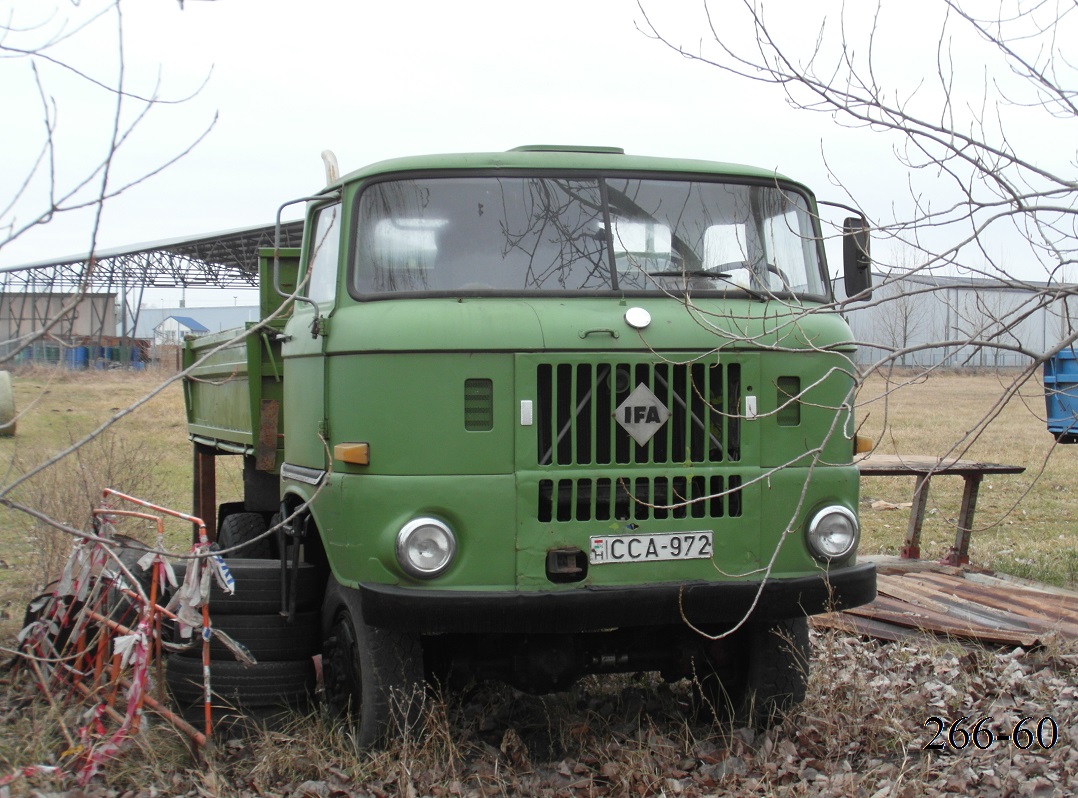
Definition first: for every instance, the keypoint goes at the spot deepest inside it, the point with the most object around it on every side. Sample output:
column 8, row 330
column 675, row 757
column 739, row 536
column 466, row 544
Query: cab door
column 303, row 350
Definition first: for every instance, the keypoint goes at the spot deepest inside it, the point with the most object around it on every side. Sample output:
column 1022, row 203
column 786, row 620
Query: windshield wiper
column 755, row 294
column 689, row 273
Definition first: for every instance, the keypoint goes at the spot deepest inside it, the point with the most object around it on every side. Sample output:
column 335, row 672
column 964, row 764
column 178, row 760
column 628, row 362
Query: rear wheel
column 372, row 675
column 246, row 530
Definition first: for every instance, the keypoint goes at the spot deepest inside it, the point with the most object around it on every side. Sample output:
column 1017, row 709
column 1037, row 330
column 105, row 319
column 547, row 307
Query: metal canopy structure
column 85, row 300
column 217, row 260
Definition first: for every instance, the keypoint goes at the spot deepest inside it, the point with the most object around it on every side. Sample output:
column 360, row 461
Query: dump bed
column 233, row 389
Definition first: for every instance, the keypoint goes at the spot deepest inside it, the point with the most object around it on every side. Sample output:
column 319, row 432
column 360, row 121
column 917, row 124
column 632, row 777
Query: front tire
column 778, row 670
column 761, row 677
column 372, row 675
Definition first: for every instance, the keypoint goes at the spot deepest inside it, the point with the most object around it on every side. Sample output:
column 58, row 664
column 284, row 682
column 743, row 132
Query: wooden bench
column 923, row 468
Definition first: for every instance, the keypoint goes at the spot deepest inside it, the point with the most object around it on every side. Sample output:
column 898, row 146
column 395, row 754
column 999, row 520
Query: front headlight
column 425, row 547
column 832, row 533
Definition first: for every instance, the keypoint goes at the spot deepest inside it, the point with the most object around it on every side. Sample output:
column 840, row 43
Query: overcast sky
column 369, row 81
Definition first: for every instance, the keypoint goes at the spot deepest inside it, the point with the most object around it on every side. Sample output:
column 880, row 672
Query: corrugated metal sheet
column 961, row 604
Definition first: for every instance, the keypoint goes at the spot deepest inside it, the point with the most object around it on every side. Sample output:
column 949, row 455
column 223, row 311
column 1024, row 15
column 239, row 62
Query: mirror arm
column 849, row 208
column 856, row 257
column 332, row 195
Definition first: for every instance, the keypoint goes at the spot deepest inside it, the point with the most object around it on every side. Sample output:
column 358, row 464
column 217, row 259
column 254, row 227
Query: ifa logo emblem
column 641, row 414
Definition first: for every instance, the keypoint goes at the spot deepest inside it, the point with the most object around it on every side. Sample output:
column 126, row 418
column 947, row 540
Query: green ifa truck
column 545, row 413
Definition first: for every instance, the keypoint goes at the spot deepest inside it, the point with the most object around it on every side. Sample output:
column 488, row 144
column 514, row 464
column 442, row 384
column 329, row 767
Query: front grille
column 639, row 498
column 478, row 405
column 575, row 421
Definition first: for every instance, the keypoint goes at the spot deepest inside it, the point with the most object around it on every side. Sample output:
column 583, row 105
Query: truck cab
column 560, row 411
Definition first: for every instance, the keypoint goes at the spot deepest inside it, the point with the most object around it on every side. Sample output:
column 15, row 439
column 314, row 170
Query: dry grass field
column 861, row 733
column 145, row 453
column 1026, row 524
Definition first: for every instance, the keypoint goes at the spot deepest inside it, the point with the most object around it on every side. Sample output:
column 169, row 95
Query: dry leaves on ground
column 863, row 732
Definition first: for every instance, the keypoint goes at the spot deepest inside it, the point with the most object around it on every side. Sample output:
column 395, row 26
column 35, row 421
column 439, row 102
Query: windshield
column 541, row 234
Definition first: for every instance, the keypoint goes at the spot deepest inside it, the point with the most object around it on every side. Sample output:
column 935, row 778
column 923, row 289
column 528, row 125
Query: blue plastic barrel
column 1061, row 395
column 76, row 357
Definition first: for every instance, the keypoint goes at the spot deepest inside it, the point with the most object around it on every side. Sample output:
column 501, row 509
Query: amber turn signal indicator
column 354, row 453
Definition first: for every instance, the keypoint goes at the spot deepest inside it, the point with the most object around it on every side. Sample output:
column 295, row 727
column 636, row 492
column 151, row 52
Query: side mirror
column 856, row 260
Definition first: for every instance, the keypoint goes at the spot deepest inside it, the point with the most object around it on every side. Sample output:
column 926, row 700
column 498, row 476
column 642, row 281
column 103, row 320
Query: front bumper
column 590, row 609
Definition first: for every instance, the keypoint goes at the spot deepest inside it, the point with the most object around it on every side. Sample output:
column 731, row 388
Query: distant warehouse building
column 920, row 320
column 43, row 326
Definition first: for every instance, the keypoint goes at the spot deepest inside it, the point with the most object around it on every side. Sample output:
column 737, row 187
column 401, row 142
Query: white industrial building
column 923, row 320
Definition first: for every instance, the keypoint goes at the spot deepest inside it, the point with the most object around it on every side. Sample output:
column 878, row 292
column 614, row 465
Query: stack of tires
column 283, row 680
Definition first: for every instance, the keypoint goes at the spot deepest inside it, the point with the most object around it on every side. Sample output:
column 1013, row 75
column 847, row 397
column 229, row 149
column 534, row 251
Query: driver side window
column 322, row 261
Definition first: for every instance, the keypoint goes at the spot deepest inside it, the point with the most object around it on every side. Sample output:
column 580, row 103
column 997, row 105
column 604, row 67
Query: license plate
column 650, row 548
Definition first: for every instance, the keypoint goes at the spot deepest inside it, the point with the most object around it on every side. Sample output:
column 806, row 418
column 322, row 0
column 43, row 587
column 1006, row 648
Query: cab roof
column 561, row 158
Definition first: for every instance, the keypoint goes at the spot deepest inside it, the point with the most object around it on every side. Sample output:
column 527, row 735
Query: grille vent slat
column 639, row 498
column 478, row 405
column 575, row 424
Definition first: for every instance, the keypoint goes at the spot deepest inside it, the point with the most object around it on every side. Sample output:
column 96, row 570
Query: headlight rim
column 813, row 524
column 405, row 533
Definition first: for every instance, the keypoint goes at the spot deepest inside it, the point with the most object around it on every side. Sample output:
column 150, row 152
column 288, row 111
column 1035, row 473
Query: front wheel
column 757, row 677
column 373, row 676
column 777, row 674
